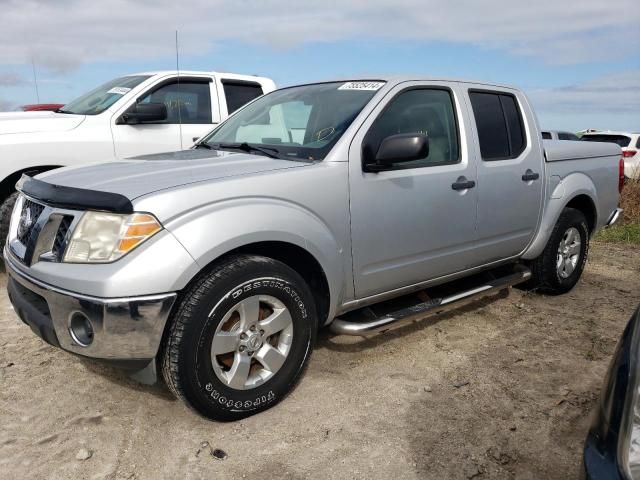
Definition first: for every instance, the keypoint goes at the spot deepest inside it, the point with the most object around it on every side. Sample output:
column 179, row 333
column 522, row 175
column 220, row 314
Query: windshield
column 621, row 140
column 299, row 122
column 101, row 98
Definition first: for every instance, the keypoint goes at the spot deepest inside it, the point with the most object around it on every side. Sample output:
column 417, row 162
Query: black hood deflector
column 73, row 198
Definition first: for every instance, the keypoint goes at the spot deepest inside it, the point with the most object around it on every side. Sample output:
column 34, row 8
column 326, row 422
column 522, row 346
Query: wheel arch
column 585, row 204
column 582, row 200
column 295, row 257
column 8, row 184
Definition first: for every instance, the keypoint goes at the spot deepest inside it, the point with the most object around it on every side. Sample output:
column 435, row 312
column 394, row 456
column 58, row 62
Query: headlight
column 102, row 237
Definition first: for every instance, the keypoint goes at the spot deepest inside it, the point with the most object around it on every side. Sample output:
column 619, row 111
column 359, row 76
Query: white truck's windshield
column 99, row 99
column 299, row 122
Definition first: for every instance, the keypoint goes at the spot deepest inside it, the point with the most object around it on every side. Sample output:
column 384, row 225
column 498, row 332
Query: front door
column 413, row 222
column 189, row 116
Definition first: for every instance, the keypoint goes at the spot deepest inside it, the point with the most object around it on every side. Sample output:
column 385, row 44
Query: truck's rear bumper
column 126, row 331
column 613, row 218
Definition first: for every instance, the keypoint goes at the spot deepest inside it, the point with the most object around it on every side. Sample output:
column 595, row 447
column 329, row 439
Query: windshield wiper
column 245, row 147
column 59, row 110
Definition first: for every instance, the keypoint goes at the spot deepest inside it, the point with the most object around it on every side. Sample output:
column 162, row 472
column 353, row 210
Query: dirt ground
column 502, row 389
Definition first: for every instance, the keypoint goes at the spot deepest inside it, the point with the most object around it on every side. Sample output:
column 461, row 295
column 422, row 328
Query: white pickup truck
column 133, row 115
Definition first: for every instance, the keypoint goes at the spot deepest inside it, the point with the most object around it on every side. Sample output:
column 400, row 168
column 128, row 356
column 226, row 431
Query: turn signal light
column 140, row 227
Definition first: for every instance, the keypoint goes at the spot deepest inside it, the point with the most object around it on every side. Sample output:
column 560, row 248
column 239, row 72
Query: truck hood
column 140, row 176
column 38, row 122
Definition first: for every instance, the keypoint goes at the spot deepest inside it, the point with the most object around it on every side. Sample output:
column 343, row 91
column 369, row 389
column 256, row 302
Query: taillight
column 620, row 175
column 628, row 153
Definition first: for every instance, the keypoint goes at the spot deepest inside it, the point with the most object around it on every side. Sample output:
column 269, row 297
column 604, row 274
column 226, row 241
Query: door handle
column 530, row 175
column 463, row 184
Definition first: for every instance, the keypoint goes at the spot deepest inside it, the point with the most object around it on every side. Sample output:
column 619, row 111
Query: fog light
column 80, row 329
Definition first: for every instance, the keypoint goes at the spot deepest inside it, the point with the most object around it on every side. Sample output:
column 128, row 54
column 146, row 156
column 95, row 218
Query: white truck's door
column 192, row 110
column 510, row 171
column 416, row 221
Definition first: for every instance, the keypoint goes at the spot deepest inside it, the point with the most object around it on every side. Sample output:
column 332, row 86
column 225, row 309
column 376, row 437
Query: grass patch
column 628, row 233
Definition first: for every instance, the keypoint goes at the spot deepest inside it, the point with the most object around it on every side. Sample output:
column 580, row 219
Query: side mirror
column 403, row 147
column 144, row 113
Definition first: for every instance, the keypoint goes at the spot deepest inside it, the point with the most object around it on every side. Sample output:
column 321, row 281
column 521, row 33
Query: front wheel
column 240, row 339
column 5, row 216
column 559, row 267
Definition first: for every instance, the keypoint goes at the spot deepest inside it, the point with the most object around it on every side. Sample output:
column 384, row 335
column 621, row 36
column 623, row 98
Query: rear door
column 192, row 111
column 510, row 172
column 408, row 224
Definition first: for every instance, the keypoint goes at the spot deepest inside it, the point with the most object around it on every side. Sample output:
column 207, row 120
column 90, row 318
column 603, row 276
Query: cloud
column 65, row 34
column 617, row 93
column 7, row 106
column 12, row 80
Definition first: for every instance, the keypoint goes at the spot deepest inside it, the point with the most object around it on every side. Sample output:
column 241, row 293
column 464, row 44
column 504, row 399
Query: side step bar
column 431, row 307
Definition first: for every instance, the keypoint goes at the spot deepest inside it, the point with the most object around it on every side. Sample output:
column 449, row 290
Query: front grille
column 59, row 242
column 29, row 215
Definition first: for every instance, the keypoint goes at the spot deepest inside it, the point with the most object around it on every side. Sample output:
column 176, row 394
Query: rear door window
column 238, row 93
column 499, row 124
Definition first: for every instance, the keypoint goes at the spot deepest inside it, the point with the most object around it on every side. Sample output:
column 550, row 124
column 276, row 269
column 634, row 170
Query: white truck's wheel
column 240, row 338
column 5, row 216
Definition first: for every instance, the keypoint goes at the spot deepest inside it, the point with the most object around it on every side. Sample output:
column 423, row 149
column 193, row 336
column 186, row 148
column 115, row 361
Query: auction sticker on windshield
column 119, row 90
column 361, row 86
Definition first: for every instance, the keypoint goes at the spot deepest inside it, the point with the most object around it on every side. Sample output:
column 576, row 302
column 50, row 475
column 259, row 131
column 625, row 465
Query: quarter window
column 186, row 101
column 499, row 124
column 238, row 93
column 546, row 135
column 428, row 111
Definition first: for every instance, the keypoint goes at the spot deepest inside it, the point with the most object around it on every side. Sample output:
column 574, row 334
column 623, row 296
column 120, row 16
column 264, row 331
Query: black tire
column 5, row 216
column 187, row 364
column 545, row 275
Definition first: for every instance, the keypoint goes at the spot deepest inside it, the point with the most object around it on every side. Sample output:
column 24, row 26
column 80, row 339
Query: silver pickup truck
column 358, row 205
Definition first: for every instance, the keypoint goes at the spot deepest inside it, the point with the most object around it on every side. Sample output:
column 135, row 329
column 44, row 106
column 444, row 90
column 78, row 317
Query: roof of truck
column 197, row 72
column 405, row 78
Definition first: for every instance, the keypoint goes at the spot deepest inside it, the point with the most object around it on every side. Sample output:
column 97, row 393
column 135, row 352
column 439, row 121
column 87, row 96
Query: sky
column 577, row 60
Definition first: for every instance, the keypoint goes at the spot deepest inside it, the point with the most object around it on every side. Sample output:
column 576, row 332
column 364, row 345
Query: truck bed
column 562, row 150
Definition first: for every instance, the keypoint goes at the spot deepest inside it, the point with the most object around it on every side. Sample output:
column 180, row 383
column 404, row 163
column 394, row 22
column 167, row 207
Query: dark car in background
column 558, row 135
column 612, row 448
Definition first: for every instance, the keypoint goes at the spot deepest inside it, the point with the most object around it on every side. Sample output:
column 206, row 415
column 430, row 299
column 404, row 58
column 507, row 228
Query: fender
column 243, row 221
column 576, row 184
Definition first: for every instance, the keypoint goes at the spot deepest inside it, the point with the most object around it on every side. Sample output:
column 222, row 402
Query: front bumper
column 124, row 330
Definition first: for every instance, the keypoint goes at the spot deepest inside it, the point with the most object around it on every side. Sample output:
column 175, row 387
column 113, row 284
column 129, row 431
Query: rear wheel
column 559, row 267
column 241, row 338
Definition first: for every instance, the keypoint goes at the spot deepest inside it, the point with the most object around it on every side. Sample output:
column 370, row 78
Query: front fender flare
column 211, row 231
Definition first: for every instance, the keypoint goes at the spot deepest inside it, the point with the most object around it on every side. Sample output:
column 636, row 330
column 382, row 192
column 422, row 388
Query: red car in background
column 38, row 107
